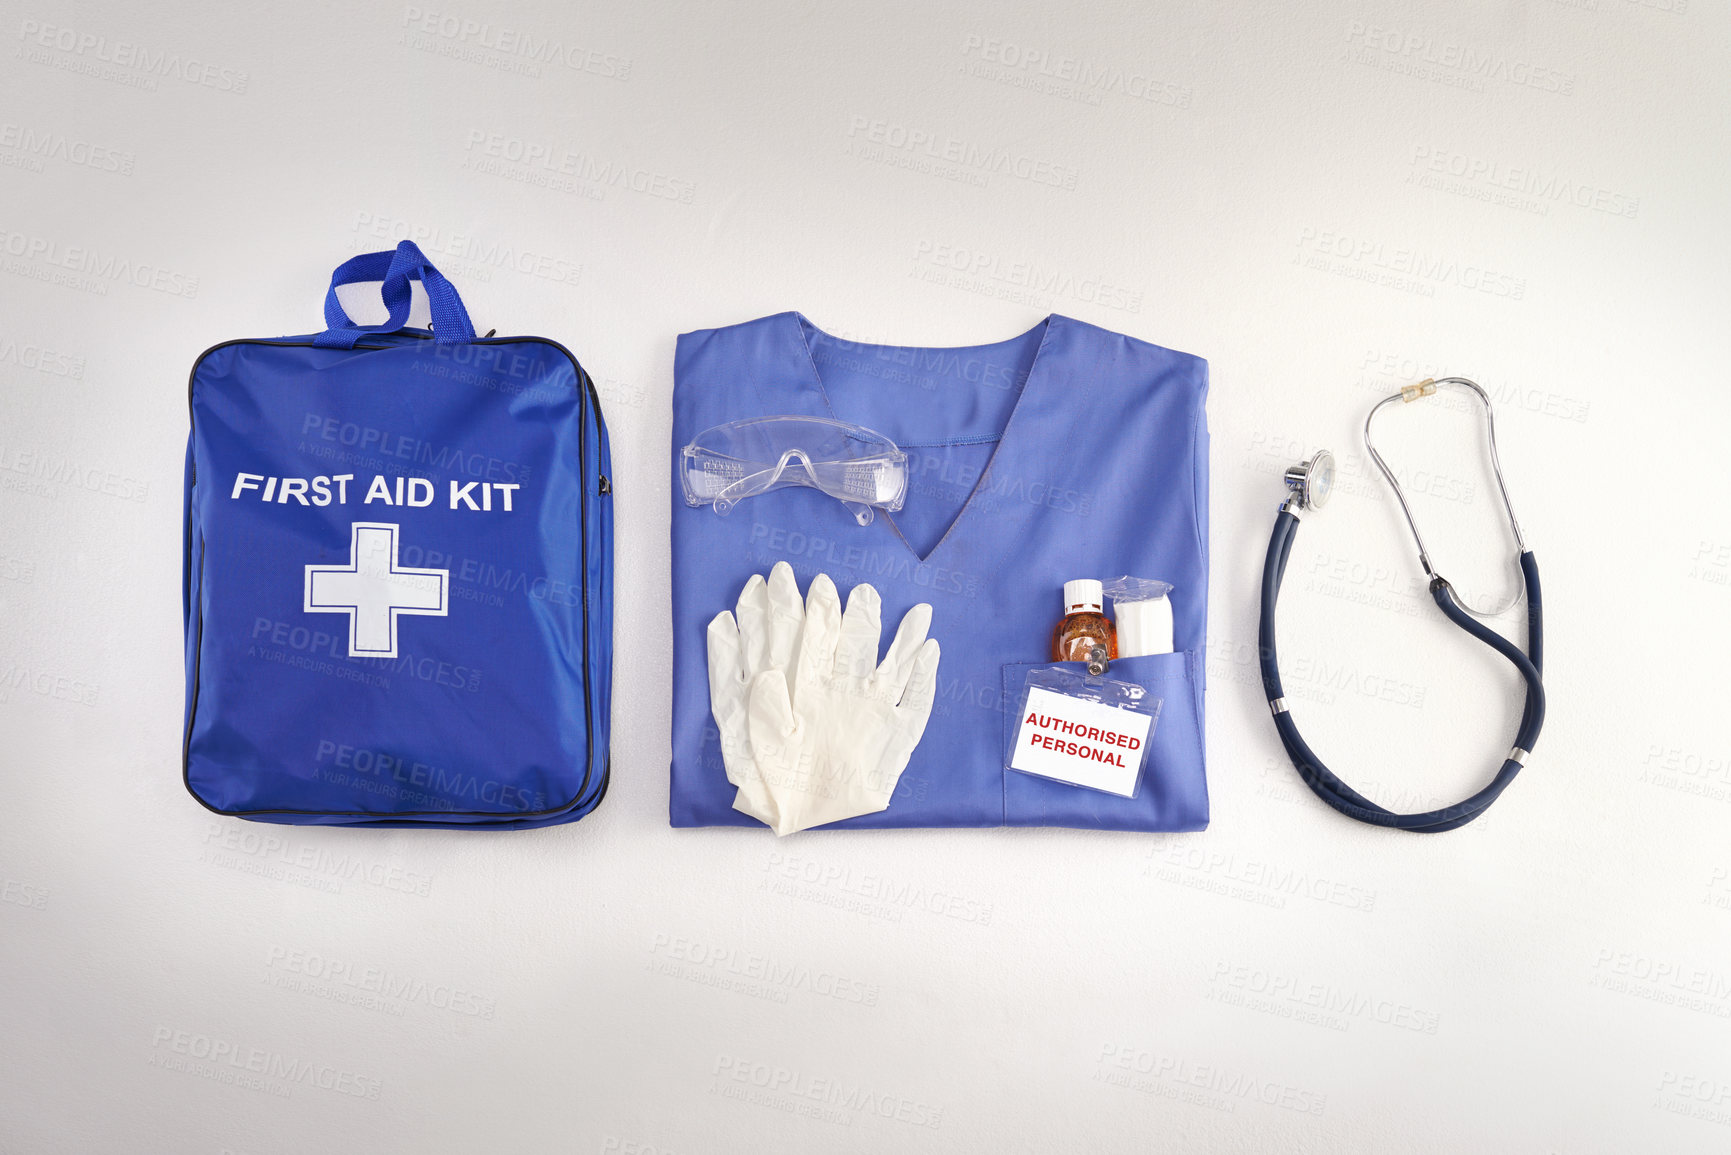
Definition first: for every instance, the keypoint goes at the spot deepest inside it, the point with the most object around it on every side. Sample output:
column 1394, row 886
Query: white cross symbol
column 373, row 589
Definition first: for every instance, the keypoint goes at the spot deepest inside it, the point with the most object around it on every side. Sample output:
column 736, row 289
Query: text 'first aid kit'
column 398, row 571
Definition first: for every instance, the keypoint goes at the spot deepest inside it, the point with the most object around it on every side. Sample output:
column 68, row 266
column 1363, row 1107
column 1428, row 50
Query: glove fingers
column 922, row 689
column 786, row 615
column 753, row 612
column 856, row 653
column 898, row 664
column 822, row 631
column 775, row 746
column 724, row 667
column 911, row 718
column 778, row 742
column 727, row 696
column 772, row 722
column 727, row 683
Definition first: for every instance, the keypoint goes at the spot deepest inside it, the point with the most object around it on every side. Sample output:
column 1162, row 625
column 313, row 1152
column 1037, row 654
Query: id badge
column 1084, row 730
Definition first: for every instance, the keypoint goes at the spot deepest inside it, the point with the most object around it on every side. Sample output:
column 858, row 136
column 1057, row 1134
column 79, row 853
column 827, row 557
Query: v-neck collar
column 800, row 321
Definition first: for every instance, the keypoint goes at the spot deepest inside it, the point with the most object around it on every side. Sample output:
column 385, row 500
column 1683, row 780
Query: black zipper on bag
column 592, row 400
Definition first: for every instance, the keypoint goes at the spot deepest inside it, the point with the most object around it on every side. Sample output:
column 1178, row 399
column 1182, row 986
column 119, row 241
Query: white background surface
column 1254, row 184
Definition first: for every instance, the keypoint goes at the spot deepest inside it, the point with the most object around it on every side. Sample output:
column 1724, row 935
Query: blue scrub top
column 1067, row 452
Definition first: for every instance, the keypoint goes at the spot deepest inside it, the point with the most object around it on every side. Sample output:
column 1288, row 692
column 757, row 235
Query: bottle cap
column 1083, row 595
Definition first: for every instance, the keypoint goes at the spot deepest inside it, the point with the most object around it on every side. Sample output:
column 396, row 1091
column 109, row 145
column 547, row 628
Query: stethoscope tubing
column 1316, row 774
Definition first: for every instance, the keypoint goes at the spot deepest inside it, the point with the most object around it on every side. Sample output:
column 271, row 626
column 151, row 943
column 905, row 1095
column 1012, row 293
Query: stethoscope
column 1311, row 482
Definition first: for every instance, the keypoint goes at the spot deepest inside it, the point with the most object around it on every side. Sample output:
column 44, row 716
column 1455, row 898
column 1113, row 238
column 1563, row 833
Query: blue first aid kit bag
column 398, row 572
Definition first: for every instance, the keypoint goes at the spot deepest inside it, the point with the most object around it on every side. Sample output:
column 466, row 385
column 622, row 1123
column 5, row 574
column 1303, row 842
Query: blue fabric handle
column 395, row 269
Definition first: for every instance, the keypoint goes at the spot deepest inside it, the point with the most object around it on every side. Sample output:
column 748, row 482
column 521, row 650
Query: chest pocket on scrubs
column 1173, row 794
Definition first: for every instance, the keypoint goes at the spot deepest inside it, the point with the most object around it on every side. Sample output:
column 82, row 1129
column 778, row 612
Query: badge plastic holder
column 1072, row 729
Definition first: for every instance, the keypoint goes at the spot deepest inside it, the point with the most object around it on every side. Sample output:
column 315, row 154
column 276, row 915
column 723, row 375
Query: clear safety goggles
column 859, row 467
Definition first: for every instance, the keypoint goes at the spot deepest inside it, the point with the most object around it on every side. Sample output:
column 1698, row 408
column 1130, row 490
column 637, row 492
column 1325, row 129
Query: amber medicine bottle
column 1084, row 627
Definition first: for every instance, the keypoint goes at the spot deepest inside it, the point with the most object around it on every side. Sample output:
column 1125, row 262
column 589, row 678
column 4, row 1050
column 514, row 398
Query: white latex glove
column 836, row 746
column 764, row 637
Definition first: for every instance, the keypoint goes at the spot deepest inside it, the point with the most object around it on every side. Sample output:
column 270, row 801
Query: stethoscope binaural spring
column 1311, row 483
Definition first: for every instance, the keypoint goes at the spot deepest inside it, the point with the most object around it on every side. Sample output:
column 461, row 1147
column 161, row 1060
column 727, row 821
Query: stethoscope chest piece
column 1312, row 481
